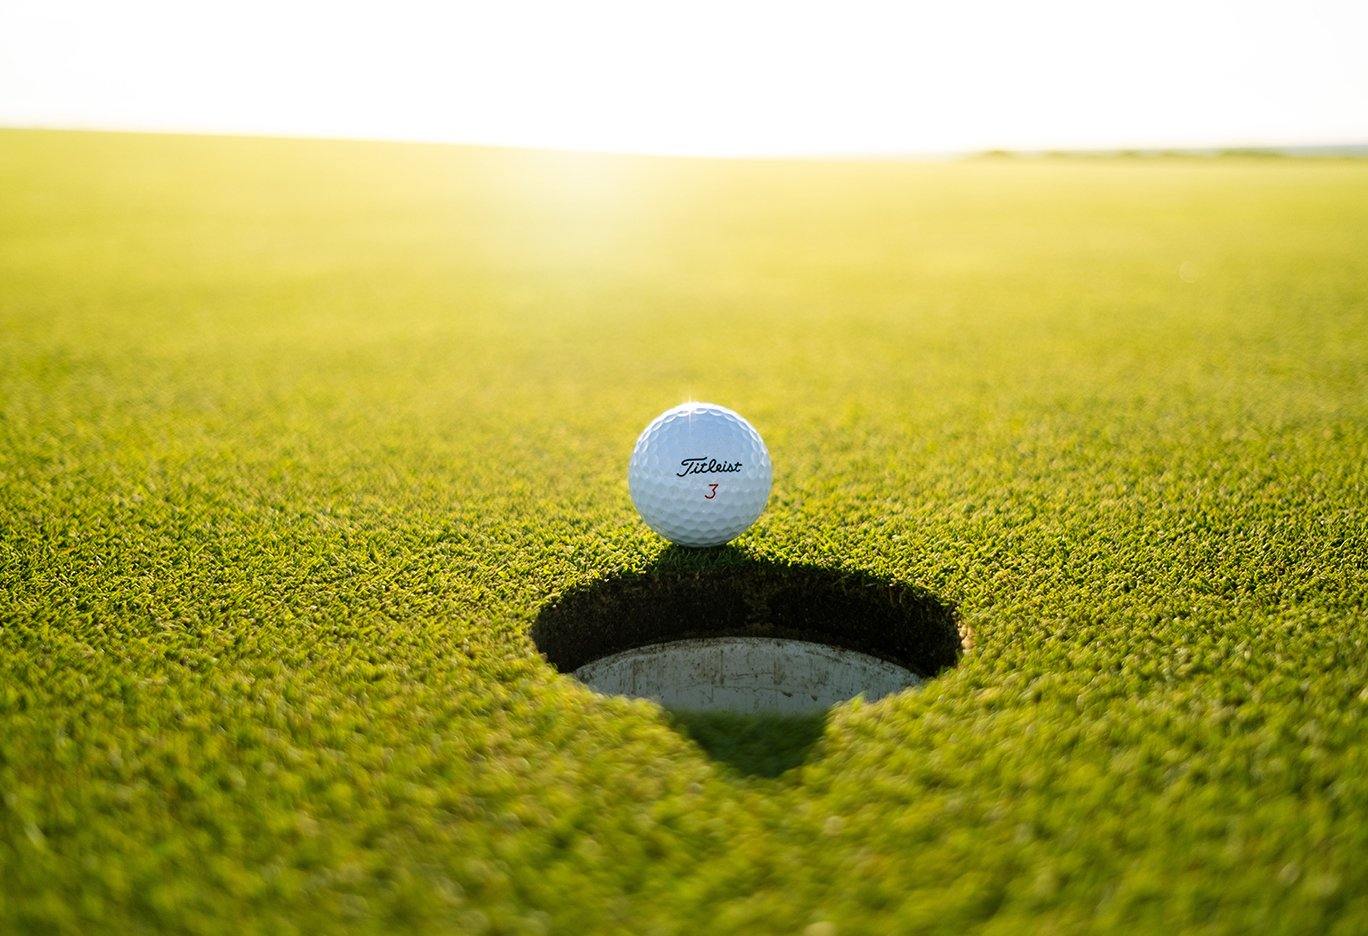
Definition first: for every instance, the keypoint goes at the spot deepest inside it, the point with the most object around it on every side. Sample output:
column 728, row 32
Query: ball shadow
column 724, row 592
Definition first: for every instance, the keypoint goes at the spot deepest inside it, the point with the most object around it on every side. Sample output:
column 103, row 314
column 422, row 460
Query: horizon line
column 1328, row 148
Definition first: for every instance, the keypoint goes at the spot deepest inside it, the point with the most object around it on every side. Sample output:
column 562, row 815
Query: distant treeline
column 1241, row 152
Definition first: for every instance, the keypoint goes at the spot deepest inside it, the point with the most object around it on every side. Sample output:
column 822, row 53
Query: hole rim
column 688, row 595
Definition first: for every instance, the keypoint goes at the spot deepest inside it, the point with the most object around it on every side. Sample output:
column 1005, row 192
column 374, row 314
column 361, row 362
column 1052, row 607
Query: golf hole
column 717, row 632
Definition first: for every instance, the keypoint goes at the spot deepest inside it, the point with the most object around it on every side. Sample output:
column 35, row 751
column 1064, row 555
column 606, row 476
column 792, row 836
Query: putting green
column 299, row 439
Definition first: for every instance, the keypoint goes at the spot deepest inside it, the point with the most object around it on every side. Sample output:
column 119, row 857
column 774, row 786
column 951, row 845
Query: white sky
column 701, row 77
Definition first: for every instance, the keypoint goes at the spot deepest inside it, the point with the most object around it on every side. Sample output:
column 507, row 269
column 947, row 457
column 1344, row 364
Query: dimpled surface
column 699, row 475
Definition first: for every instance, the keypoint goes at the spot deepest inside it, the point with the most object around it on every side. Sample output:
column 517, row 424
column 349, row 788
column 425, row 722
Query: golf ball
column 699, row 475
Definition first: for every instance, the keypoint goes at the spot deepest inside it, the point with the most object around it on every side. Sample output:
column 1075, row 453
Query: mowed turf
column 298, row 438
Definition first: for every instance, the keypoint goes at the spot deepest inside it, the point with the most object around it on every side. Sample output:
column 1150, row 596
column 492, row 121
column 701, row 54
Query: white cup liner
column 745, row 675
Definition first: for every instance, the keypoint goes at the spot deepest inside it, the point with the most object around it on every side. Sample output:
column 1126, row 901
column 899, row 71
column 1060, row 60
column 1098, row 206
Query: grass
column 754, row 745
column 297, row 439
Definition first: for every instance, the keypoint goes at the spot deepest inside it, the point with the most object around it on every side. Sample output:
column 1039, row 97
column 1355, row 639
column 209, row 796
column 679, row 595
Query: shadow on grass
column 723, row 592
column 752, row 745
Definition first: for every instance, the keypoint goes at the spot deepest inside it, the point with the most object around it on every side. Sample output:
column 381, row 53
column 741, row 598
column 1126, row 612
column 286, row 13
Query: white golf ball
column 699, row 475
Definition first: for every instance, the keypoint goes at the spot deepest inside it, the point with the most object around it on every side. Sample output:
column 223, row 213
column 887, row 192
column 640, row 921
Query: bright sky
column 701, row 77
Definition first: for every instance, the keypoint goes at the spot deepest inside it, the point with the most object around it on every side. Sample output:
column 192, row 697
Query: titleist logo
column 705, row 465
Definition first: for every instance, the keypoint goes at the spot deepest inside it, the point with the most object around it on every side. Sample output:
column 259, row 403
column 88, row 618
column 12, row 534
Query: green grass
column 298, row 438
column 759, row 745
